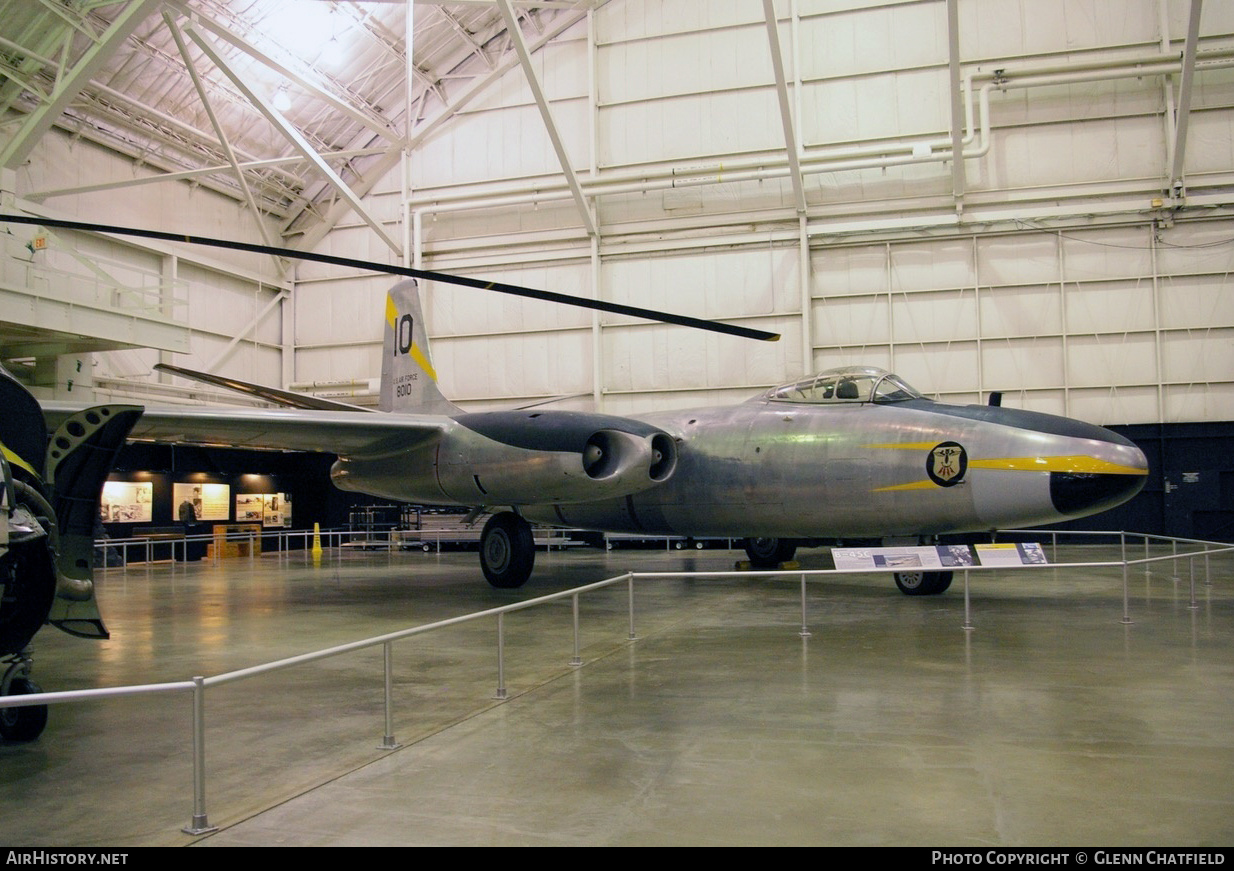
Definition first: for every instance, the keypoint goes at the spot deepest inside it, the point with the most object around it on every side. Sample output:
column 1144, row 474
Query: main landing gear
column 768, row 553
column 507, row 550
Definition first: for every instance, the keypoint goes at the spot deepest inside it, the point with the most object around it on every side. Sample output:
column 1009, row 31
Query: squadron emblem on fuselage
column 947, row 463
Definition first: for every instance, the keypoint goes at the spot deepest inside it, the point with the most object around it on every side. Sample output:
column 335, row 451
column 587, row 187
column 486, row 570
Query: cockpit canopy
column 849, row 384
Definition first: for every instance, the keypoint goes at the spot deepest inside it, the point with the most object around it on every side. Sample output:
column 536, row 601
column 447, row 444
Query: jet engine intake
column 612, row 454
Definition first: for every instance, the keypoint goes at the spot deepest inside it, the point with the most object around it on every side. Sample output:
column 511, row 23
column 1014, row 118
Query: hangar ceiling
column 287, row 105
column 787, row 163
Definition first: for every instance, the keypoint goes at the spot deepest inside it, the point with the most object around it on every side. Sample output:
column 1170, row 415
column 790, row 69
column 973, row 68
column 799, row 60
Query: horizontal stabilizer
column 269, row 394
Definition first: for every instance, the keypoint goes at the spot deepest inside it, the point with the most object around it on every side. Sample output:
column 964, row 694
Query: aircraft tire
column 768, row 553
column 507, row 550
column 923, row 583
column 23, row 724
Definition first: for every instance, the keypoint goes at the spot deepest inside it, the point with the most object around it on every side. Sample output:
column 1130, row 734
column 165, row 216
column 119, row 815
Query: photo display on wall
column 196, row 502
column 126, row 502
column 268, row 509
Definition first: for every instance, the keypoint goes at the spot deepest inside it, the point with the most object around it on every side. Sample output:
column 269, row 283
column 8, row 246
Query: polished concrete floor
column 1050, row 723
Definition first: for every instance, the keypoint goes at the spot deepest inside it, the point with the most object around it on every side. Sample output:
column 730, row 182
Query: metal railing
column 198, row 685
column 165, row 547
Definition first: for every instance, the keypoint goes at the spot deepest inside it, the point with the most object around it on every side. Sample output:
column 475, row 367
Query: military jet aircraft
column 848, row 453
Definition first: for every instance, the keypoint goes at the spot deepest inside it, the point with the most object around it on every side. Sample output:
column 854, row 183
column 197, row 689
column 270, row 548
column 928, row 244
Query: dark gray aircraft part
column 49, row 503
column 851, row 453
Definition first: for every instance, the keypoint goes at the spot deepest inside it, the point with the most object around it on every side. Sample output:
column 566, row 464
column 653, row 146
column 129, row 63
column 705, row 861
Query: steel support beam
column 533, row 81
column 70, row 84
column 238, row 337
column 183, row 175
column 221, row 134
column 957, row 105
column 786, row 112
column 293, row 135
column 1183, row 112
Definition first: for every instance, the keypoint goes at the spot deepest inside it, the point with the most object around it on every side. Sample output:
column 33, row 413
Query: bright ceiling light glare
column 313, row 27
column 282, row 102
column 332, row 51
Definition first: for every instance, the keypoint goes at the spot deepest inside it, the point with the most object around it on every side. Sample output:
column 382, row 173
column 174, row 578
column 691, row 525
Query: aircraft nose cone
column 1085, row 493
column 1080, row 493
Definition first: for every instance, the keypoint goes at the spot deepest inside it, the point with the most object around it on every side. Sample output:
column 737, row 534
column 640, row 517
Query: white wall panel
column 934, row 317
column 683, row 128
column 940, row 368
column 942, row 264
column 1199, row 356
column 715, row 284
column 1196, row 301
column 502, row 143
column 1018, row 259
column 852, row 320
column 338, row 363
column 1199, row 401
column 1033, row 363
column 1030, row 309
column 857, row 41
column 529, row 365
column 455, row 310
column 341, row 311
column 1067, row 343
column 698, row 62
column 1100, row 150
column 643, row 19
column 1114, row 403
column 1003, row 28
column 855, row 270
column 1105, row 254
column 1110, row 306
column 1105, row 360
column 874, row 355
column 657, row 358
column 908, row 104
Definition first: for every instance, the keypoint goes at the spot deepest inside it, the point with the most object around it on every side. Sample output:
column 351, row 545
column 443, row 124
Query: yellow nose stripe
column 1076, row 464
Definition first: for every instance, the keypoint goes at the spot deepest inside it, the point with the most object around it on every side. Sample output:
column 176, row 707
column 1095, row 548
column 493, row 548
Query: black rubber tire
column 507, row 550
column 23, row 724
column 768, row 553
column 923, row 583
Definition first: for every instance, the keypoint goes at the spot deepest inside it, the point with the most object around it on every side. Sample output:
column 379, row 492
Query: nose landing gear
column 25, row 723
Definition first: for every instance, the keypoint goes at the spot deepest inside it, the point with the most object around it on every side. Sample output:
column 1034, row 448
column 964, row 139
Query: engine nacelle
column 521, row 458
column 603, row 464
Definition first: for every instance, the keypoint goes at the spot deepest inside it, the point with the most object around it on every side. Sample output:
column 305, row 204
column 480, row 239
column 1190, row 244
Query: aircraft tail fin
column 408, row 380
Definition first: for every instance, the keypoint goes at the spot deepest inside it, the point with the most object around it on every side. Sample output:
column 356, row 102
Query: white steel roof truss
column 293, row 136
column 786, row 113
column 73, row 81
column 533, row 81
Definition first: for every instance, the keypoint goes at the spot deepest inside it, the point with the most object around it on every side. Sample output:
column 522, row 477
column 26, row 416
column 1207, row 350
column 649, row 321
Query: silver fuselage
column 775, row 468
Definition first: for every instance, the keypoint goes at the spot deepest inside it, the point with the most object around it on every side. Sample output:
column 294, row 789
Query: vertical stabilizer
column 408, row 380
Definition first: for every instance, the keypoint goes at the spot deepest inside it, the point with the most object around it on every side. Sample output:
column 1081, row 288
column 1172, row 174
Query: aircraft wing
column 336, row 432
